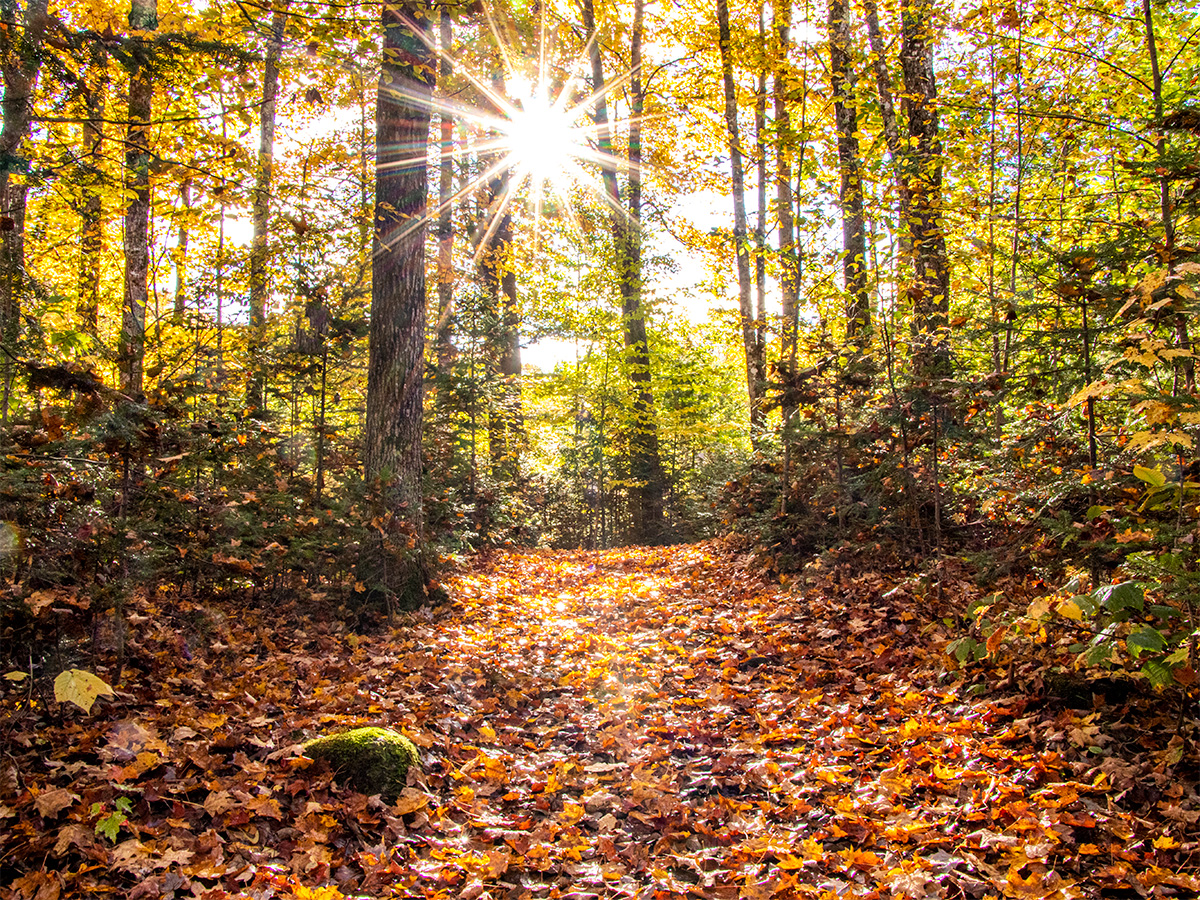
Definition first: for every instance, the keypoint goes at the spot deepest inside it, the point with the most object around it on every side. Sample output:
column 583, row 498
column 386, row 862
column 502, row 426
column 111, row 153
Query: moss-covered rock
column 370, row 760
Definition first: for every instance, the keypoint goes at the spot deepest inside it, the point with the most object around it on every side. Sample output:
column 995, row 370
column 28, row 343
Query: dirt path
column 638, row 723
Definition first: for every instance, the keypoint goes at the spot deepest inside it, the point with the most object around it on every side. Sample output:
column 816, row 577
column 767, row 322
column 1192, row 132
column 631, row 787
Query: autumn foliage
column 634, row 723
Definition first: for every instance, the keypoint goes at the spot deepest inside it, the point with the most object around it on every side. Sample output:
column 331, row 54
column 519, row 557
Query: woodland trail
column 647, row 723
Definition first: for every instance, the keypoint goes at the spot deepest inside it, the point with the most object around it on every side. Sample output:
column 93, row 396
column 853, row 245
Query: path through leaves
column 637, row 723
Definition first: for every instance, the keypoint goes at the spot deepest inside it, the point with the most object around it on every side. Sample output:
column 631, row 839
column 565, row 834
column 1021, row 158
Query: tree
column 625, row 224
column 91, row 231
column 395, row 370
column 930, row 289
column 131, row 350
column 22, row 60
column 750, row 332
column 854, row 237
column 259, row 252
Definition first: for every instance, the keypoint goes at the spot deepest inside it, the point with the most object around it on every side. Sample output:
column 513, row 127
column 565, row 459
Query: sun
column 536, row 133
column 543, row 140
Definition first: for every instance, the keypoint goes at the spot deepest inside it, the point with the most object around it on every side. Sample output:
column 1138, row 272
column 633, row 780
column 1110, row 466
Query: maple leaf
column 81, row 688
column 50, row 803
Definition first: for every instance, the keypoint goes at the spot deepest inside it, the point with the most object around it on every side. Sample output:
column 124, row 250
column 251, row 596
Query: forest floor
column 647, row 723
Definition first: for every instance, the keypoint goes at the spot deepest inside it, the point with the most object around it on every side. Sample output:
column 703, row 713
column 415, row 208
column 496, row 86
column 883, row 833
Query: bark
column 22, row 62
column 259, row 252
column 392, row 427
column 131, row 347
column 645, row 464
column 760, row 223
column 788, row 260
column 854, row 236
column 444, row 334
column 740, row 234
column 891, row 129
column 930, row 288
column 181, row 253
column 91, row 230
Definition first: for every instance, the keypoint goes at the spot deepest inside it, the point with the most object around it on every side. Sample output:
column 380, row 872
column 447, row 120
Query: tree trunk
column 392, row 427
column 259, row 252
column 181, row 252
column 788, row 263
column 91, row 230
column 504, row 328
column 131, row 348
column 22, row 61
column 760, row 223
column 891, row 130
column 645, row 463
column 504, row 335
column 740, row 233
column 930, row 289
column 854, row 239
column 444, row 333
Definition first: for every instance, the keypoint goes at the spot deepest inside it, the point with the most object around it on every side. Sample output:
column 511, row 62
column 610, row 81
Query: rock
column 370, row 760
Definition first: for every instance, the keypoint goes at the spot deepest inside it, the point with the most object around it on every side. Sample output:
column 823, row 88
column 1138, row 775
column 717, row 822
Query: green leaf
column 111, row 824
column 1087, row 604
column 965, row 648
column 80, row 687
column 1157, row 672
column 1145, row 640
column 1152, row 477
column 1117, row 598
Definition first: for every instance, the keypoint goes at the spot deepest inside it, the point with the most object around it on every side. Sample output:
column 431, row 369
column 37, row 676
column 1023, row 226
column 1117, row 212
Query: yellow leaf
column 572, row 813
column 1070, row 609
column 80, row 687
column 1095, row 389
column 1165, row 842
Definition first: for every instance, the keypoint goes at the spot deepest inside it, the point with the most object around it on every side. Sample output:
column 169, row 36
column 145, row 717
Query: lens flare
column 538, row 132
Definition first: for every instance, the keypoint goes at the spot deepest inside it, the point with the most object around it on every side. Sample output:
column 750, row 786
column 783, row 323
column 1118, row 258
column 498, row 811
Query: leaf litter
column 658, row 723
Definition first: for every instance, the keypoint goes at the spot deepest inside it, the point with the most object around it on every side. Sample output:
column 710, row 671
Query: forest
column 724, row 450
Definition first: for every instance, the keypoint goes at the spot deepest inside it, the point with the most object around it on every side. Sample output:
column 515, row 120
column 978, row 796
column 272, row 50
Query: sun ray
column 542, row 134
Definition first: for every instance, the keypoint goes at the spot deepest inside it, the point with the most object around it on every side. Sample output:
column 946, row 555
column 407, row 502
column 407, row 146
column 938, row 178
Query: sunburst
column 539, row 131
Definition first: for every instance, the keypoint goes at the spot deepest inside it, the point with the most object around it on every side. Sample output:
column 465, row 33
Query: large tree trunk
column 91, row 230
column 645, row 463
column 740, row 232
column 22, row 49
column 395, row 391
column 131, row 348
column 854, row 238
column 930, row 290
column 259, row 252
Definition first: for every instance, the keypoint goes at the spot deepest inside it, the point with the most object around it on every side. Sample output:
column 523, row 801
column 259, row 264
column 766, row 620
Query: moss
column 370, row 760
